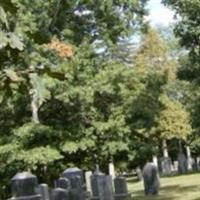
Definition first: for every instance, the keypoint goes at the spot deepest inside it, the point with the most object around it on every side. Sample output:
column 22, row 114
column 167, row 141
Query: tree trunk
column 180, row 146
column 165, row 150
column 35, row 105
column 35, row 117
column 189, row 158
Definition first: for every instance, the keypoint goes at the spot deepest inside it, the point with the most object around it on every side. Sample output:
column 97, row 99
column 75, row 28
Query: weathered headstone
column 72, row 172
column 139, row 173
column 64, row 183
column 151, row 179
column 24, row 187
column 60, row 194
column 198, row 163
column 165, row 165
column 77, row 190
column 194, row 164
column 176, row 166
column 155, row 160
column 76, row 182
column 121, row 191
column 43, row 190
column 88, row 175
column 189, row 159
column 182, row 163
column 102, row 187
column 111, row 169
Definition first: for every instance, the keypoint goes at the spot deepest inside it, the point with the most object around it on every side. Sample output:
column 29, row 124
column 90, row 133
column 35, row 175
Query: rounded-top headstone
column 151, row 179
column 73, row 172
column 24, row 184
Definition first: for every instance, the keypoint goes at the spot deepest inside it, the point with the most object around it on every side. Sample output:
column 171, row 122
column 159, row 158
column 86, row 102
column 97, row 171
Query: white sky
column 159, row 14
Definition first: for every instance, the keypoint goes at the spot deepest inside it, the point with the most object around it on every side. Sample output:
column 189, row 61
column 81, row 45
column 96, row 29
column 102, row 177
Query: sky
column 159, row 14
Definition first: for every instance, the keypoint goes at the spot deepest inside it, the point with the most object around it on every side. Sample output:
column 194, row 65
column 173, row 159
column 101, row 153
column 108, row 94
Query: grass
column 185, row 187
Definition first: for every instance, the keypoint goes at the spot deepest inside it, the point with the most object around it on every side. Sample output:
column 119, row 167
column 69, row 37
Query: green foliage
column 8, row 38
column 79, row 102
column 3, row 17
column 40, row 156
column 173, row 121
column 86, row 107
column 160, row 111
column 188, row 30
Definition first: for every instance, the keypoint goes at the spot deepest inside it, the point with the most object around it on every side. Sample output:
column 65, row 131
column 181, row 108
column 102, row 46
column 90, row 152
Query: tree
column 50, row 61
column 163, row 92
column 187, row 30
column 173, row 121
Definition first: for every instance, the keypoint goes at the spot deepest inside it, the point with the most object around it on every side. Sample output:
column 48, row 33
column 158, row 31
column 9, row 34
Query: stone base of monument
column 95, row 198
column 35, row 197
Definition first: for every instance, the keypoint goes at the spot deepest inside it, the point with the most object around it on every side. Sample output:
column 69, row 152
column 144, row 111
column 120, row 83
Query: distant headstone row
column 181, row 166
column 71, row 186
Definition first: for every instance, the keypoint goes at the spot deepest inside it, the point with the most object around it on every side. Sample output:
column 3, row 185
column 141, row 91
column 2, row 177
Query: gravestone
column 111, row 169
column 101, row 187
column 194, row 165
column 190, row 162
column 139, row 173
column 121, row 191
column 155, row 160
column 198, row 163
column 151, row 179
column 43, row 190
column 24, row 187
column 72, row 172
column 175, row 166
column 88, row 175
column 60, row 194
column 182, row 163
column 77, row 190
column 166, row 166
column 64, row 183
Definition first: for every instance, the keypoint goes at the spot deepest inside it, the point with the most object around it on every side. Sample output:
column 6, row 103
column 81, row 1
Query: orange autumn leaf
column 63, row 50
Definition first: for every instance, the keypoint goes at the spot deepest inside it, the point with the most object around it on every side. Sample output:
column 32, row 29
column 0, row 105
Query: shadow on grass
column 172, row 192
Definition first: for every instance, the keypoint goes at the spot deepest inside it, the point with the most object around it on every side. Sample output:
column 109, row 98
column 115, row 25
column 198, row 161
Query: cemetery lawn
column 184, row 187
